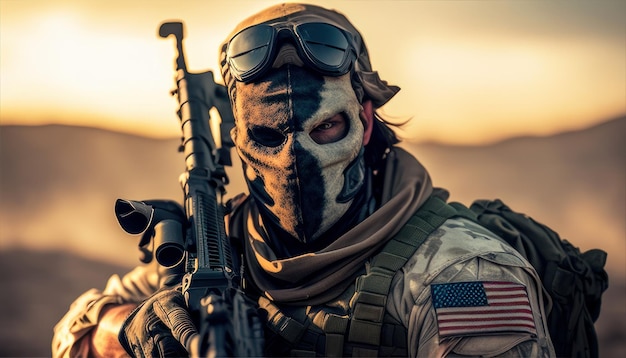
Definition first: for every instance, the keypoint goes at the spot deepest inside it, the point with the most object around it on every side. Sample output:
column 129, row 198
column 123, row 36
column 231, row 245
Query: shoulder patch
column 481, row 308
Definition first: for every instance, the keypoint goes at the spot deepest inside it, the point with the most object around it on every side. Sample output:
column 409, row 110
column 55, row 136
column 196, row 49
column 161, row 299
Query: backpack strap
column 372, row 289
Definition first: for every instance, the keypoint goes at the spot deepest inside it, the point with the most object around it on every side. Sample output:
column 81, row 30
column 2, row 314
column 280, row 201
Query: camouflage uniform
column 459, row 252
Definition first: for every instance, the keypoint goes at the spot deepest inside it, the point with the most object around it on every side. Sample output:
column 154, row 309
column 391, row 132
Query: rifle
column 192, row 237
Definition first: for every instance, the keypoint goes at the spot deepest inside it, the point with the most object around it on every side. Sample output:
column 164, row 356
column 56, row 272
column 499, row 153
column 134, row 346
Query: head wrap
column 366, row 83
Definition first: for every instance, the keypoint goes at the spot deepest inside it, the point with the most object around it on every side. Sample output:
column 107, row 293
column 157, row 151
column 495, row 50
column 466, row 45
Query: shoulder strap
column 367, row 327
column 372, row 289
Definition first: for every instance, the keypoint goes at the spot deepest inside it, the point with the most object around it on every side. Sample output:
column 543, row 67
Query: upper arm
column 424, row 321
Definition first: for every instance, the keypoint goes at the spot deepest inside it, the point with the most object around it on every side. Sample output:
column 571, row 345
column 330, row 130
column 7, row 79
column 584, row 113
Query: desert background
column 59, row 236
column 521, row 100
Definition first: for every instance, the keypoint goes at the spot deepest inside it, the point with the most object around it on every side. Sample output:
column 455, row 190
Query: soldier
column 329, row 189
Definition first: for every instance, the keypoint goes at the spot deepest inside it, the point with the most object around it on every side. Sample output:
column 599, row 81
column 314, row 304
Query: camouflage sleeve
column 450, row 279
column 428, row 333
column 83, row 315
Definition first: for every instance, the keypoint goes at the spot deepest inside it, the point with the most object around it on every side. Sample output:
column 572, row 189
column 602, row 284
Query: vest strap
column 369, row 330
column 372, row 289
column 335, row 328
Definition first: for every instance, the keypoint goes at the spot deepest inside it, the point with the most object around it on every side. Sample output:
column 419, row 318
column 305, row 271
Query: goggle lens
column 325, row 43
column 250, row 48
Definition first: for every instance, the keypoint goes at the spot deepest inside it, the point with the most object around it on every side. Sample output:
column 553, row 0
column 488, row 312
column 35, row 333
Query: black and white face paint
column 301, row 185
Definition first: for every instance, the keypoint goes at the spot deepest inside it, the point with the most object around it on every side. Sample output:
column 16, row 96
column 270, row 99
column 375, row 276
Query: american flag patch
column 477, row 308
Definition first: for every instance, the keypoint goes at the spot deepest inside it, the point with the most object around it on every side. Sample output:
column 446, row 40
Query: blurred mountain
column 575, row 182
column 58, row 184
column 59, row 236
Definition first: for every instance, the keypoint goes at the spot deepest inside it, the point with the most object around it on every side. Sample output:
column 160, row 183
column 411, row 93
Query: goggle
column 325, row 48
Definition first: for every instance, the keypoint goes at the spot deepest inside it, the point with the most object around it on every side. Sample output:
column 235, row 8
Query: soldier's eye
column 331, row 130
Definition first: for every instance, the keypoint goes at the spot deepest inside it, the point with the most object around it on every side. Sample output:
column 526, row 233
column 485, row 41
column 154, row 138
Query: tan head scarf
column 365, row 81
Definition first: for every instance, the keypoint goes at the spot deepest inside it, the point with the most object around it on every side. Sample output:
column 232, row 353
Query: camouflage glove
column 159, row 327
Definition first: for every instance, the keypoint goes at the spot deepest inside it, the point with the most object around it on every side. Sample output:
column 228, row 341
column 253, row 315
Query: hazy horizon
column 67, row 178
column 470, row 71
column 400, row 131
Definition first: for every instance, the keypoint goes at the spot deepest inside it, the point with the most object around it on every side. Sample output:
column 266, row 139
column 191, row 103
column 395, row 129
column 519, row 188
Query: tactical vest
column 356, row 323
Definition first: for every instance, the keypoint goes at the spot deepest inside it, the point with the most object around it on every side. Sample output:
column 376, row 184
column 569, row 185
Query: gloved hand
column 159, row 327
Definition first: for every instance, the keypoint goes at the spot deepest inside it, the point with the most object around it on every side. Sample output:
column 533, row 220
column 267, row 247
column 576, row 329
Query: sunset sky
column 470, row 71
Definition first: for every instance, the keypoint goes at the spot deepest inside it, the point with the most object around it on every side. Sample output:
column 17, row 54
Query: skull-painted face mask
column 301, row 178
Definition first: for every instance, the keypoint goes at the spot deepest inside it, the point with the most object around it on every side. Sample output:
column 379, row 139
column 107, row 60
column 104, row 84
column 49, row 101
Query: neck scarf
column 315, row 278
